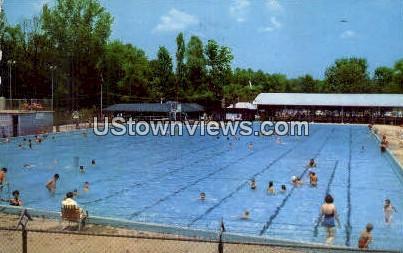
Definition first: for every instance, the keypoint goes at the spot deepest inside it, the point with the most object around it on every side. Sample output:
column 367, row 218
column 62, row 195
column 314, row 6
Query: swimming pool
column 158, row 180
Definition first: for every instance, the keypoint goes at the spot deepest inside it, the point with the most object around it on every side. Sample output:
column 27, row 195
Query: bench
column 73, row 214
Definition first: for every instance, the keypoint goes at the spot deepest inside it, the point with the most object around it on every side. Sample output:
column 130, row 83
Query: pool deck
column 394, row 135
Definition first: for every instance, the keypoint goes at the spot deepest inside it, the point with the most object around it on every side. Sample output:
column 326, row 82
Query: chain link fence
column 62, row 241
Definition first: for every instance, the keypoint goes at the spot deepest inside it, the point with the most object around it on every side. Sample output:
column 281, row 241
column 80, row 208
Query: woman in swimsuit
column 328, row 215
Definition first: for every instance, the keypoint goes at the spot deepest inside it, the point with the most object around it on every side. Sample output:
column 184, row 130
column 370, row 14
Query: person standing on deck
column 3, row 173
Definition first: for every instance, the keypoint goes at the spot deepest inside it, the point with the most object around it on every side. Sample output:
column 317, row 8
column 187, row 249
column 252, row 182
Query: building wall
column 28, row 123
column 35, row 123
column 6, row 125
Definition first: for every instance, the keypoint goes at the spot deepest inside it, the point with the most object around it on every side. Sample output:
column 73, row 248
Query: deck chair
column 72, row 214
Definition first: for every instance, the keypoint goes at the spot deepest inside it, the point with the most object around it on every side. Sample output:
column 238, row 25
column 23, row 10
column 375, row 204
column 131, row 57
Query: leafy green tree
column 348, row 75
column 383, row 77
column 180, row 62
column 79, row 30
column 219, row 66
column 195, row 63
column 163, row 75
column 398, row 74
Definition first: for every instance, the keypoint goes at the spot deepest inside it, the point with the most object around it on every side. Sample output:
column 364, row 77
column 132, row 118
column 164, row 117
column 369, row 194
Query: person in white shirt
column 70, row 202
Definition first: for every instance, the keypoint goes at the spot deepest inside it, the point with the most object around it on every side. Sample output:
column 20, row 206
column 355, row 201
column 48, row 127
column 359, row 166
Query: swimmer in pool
column 245, row 215
column 51, row 184
column 313, row 179
column 27, row 166
column 15, row 201
column 202, row 196
column 271, row 189
column 312, row 163
column 82, row 170
column 30, row 143
column 86, row 186
column 388, row 210
column 75, row 193
column 283, row 188
column 93, row 162
column 253, row 185
column 296, row 181
column 250, row 146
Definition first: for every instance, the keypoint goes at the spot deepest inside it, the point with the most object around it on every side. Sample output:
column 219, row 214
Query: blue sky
column 294, row 37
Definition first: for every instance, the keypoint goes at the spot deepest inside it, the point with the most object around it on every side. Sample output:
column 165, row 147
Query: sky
column 293, row 37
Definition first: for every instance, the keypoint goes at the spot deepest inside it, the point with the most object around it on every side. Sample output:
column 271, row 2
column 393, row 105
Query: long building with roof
column 328, row 107
column 157, row 111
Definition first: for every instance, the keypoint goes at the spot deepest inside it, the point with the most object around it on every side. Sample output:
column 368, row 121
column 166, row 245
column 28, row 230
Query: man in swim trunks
column 313, row 179
column 51, row 184
column 365, row 237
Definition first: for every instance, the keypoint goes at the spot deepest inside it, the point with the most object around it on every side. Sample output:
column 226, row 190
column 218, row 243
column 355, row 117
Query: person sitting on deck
column 313, row 179
column 271, row 189
column 365, row 237
column 312, row 163
column 70, row 202
column 51, row 184
column 384, row 144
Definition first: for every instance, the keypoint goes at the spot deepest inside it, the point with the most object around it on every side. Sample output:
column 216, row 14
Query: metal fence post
column 24, row 240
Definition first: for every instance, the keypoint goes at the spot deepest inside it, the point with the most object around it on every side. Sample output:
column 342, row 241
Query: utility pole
column 10, row 63
column 52, row 69
column 1, row 52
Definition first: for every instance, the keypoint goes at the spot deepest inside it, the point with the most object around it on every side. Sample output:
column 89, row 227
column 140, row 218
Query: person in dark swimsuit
column 328, row 215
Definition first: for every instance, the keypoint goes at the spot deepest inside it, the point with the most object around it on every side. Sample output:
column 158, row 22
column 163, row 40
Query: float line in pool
column 240, row 187
column 348, row 225
column 157, row 177
column 244, row 184
column 315, row 229
column 278, row 209
column 191, row 184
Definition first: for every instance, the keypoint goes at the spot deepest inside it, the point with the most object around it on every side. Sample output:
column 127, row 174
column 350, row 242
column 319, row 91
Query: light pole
column 10, row 63
column 52, row 69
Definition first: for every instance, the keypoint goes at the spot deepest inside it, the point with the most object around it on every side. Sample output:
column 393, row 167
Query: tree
column 383, row 77
column 195, row 63
column 79, row 30
column 180, row 64
column 163, row 73
column 219, row 60
column 398, row 74
column 347, row 75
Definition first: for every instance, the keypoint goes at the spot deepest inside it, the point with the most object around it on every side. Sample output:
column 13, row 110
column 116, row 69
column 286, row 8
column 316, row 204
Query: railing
column 26, row 104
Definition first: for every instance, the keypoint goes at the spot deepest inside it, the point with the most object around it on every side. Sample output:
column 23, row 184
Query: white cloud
column 274, row 5
column 274, row 25
column 175, row 20
column 239, row 10
column 348, row 34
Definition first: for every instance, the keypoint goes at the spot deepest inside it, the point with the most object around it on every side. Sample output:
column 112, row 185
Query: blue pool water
column 158, row 180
